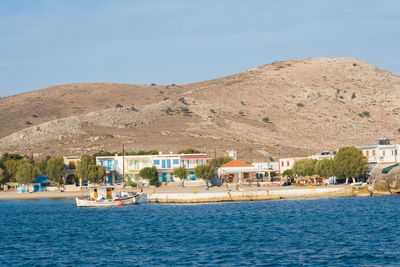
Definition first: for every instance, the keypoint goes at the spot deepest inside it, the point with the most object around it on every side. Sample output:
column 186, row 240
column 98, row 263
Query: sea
column 312, row 232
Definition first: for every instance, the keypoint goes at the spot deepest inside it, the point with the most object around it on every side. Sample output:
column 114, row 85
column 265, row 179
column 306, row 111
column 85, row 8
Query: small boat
column 104, row 196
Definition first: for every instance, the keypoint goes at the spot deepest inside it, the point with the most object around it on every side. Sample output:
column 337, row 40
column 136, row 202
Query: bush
column 189, row 151
column 364, row 114
column 153, row 84
column 118, row 106
column 213, row 111
column 241, row 102
column 300, row 105
column 186, row 111
column 28, row 123
column 241, row 113
column 353, row 96
column 266, row 119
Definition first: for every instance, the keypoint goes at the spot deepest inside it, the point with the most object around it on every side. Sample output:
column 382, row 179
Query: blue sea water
column 335, row 231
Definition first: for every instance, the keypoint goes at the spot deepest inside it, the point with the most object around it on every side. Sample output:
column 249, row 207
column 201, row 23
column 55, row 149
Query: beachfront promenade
column 214, row 194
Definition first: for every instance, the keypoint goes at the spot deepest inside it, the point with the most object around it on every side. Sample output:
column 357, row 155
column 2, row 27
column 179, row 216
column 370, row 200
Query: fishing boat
column 105, row 196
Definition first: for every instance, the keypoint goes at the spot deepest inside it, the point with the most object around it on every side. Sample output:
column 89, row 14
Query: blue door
column 109, row 164
column 164, row 177
column 163, row 164
column 191, row 175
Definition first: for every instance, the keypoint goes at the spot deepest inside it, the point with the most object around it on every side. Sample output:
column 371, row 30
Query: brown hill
column 312, row 105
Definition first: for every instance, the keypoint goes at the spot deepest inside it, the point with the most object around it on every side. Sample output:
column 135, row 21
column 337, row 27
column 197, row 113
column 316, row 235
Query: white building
column 130, row 166
column 381, row 155
column 267, row 166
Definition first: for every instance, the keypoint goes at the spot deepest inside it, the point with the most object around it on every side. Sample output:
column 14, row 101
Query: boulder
column 381, row 188
column 393, row 179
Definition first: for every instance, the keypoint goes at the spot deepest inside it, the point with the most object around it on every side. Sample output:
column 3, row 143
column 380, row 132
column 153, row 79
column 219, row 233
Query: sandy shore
column 148, row 190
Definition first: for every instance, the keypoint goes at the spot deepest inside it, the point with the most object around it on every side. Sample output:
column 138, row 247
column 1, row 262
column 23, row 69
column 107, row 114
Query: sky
column 49, row 42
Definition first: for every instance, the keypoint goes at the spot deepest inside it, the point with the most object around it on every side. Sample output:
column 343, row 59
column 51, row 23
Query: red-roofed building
column 238, row 171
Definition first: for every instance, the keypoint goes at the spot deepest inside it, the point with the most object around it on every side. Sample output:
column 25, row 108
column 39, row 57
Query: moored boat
column 105, row 196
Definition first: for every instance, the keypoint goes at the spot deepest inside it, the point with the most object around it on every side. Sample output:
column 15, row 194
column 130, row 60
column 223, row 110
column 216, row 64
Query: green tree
column 218, row 162
column 3, row 176
column 55, row 170
column 95, row 173
column 181, row 173
column 206, row 171
column 304, row 167
column 349, row 162
column 42, row 165
column 288, row 172
column 189, row 151
column 82, row 168
column 12, row 166
column 324, row 168
column 103, row 153
column 26, row 173
column 151, row 174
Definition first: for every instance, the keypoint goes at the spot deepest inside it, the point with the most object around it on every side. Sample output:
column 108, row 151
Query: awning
column 388, row 169
column 43, row 179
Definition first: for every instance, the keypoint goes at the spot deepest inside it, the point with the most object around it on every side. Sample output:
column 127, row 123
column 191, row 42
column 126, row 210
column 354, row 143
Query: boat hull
column 108, row 202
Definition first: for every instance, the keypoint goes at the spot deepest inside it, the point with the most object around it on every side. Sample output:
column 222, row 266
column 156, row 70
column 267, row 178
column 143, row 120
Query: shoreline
column 215, row 194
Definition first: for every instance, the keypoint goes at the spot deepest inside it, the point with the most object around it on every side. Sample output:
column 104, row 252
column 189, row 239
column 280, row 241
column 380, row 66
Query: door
column 95, row 194
column 108, row 192
column 164, row 177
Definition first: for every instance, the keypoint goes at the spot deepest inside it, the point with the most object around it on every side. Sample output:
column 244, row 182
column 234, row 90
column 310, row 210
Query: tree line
column 24, row 169
column 348, row 162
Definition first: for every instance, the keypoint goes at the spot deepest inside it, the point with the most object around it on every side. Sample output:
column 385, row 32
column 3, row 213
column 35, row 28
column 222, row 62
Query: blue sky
column 49, row 42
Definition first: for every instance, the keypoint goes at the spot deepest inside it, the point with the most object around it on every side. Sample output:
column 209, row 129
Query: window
column 156, row 162
column 367, row 153
column 115, row 162
column 373, row 153
column 168, row 163
column 392, row 152
column 287, row 163
column 163, row 163
column 175, row 161
column 283, row 163
column 383, row 153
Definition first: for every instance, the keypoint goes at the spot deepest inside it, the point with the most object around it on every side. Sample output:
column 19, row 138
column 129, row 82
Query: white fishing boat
column 105, row 196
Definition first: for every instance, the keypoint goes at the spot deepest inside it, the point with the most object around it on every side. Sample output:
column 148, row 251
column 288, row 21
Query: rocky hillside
column 281, row 109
